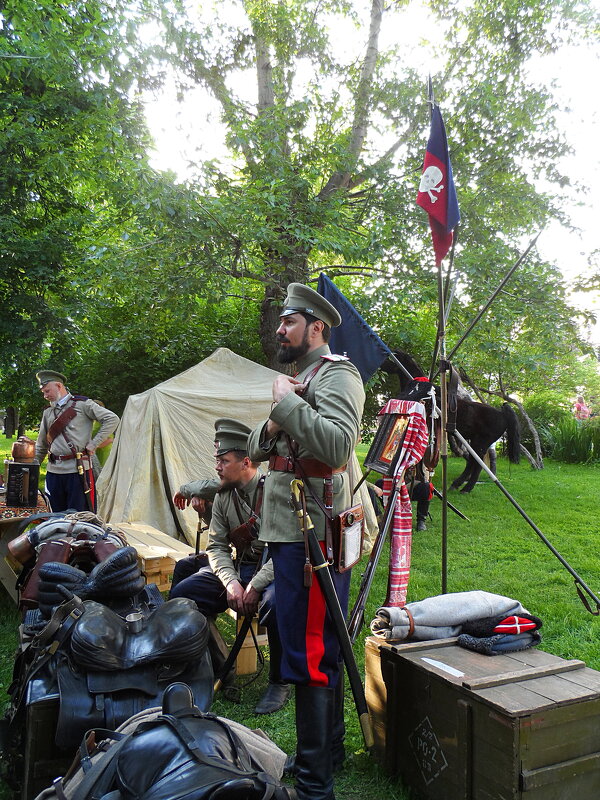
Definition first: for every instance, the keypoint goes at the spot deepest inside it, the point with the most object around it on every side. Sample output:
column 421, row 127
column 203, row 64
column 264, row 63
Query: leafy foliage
column 121, row 276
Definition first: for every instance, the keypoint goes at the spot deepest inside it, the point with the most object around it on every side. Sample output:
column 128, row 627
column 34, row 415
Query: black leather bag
column 179, row 753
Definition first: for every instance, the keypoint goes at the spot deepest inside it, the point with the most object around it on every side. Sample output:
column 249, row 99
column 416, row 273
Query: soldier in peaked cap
column 311, row 432
column 65, row 431
column 236, row 581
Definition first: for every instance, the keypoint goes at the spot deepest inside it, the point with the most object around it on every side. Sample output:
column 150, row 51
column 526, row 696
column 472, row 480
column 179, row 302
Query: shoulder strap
column 61, row 422
column 256, row 504
column 98, row 777
column 311, row 375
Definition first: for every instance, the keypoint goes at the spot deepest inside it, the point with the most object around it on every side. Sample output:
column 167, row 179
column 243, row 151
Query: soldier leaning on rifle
column 312, row 430
column 65, row 432
column 238, row 583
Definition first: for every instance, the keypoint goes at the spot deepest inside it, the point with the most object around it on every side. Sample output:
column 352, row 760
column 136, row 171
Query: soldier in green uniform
column 234, row 578
column 311, row 433
column 65, row 432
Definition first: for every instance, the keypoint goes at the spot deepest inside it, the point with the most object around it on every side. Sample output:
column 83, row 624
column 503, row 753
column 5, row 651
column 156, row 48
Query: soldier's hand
column 180, row 501
column 90, row 448
column 199, row 505
column 283, row 385
column 235, row 596
column 251, row 600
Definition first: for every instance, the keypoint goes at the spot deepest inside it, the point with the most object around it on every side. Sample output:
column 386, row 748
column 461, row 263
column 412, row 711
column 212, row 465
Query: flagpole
column 446, row 306
column 441, row 346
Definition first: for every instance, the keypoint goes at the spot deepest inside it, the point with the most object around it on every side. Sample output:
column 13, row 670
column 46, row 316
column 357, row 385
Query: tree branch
column 362, row 176
column 362, row 106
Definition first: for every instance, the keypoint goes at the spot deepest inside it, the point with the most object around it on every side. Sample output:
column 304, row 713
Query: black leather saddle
column 182, row 753
column 105, row 667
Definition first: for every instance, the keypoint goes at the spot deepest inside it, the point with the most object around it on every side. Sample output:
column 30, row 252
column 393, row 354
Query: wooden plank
column 523, row 675
column 410, row 647
column 562, row 772
column 149, row 541
column 8, row 578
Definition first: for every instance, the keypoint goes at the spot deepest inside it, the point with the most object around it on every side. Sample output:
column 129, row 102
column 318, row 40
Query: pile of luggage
column 98, row 649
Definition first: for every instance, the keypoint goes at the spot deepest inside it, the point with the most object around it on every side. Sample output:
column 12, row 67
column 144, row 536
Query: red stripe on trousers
column 315, row 621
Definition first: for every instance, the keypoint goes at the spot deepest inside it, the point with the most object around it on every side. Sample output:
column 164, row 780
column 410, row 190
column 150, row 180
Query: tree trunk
column 539, row 458
column 269, row 322
column 291, row 270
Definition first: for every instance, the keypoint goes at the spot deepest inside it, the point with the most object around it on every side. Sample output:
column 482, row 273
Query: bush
column 547, row 410
column 575, row 442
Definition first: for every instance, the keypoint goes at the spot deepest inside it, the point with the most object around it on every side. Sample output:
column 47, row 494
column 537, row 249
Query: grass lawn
column 496, row 551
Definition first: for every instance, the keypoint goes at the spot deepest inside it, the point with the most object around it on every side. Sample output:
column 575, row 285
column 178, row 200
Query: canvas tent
column 166, row 439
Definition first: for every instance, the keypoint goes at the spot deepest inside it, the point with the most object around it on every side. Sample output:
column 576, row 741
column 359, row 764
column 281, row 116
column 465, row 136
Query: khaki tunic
column 326, row 425
column 79, row 432
column 204, row 489
column 224, row 519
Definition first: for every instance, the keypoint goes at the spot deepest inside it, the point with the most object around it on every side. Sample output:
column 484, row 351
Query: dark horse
column 480, row 424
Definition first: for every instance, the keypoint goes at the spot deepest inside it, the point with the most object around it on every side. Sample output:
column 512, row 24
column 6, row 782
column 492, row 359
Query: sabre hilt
column 298, row 501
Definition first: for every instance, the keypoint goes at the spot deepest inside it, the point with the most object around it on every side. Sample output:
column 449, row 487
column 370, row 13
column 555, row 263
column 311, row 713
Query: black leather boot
column 422, row 512
column 277, row 692
column 314, row 730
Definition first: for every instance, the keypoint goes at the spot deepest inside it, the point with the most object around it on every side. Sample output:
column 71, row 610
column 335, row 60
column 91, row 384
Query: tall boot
column 422, row 512
column 277, row 692
column 314, row 730
column 338, row 753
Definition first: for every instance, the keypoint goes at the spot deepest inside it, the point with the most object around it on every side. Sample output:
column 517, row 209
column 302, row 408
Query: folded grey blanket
column 441, row 616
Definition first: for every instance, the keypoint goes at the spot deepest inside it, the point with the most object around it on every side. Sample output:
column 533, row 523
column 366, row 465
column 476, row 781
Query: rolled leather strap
column 311, row 467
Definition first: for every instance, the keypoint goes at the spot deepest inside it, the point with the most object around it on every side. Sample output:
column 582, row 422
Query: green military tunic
column 204, row 489
column 224, row 519
column 326, row 425
column 78, row 431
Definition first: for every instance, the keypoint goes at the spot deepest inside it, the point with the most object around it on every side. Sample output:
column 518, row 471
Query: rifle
column 241, row 635
column 357, row 615
column 321, row 568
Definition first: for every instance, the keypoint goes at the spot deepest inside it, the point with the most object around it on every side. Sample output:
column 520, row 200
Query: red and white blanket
column 413, row 448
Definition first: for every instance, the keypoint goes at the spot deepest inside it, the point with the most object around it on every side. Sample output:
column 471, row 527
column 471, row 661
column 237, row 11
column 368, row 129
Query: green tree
column 309, row 184
column 72, row 150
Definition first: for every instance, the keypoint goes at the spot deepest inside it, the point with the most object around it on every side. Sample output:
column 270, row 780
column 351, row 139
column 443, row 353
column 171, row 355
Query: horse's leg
column 457, row 482
column 475, row 472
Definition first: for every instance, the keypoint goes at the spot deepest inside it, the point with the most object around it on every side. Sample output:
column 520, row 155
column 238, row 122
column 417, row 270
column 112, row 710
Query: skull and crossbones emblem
column 429, row 182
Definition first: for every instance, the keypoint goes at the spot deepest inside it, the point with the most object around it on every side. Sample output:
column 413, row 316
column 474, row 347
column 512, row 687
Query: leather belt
column 311, row 467
column 53, row 459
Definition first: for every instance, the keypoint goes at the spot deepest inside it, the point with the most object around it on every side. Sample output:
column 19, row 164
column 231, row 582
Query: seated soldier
column 239, row 581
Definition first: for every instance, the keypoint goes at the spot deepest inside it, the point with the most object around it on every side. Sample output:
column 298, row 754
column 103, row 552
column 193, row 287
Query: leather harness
column 305, row 468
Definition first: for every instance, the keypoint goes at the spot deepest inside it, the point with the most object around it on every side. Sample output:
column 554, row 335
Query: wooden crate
column 157, row 552
column 158, row 570
column 460, row 725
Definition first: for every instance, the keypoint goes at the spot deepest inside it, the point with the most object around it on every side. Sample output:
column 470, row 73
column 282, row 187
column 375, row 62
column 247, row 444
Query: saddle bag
column 174, row 753
column 81, row 555
column 102, row 668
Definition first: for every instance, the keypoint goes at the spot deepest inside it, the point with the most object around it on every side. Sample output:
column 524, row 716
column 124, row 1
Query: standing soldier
column 311, row 433
column 66, row 436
